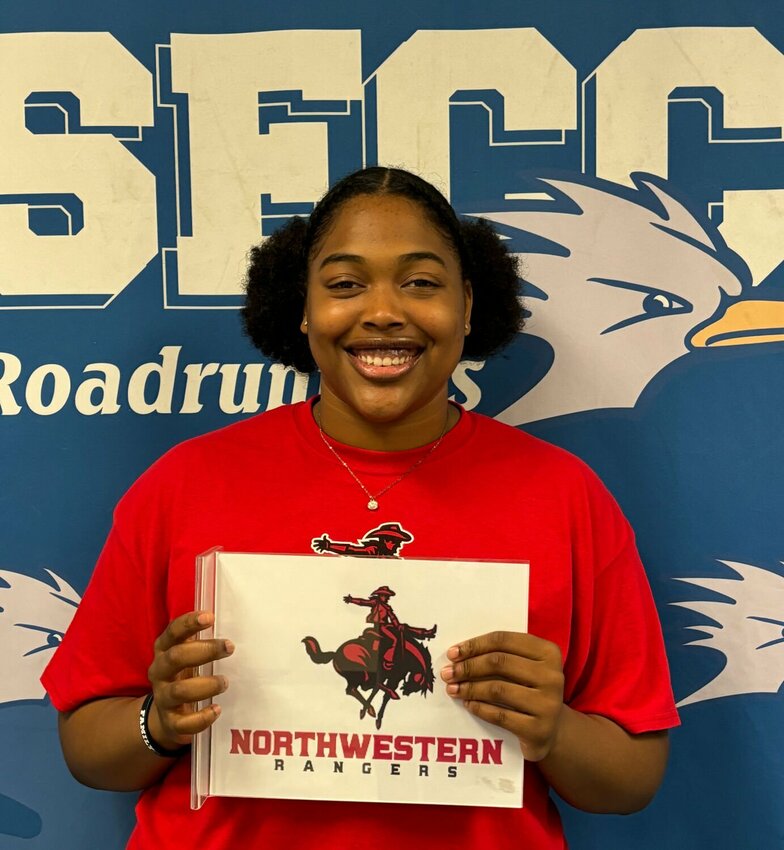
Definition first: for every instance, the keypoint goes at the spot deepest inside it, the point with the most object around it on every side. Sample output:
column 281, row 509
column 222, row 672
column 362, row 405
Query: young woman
column 383, row 290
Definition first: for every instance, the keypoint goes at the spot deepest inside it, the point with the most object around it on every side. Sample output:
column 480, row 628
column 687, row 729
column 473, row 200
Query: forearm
column 597, row 766
column 103, row 747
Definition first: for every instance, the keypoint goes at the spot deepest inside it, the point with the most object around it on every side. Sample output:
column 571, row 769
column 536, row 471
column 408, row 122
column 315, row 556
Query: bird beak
column 743, row 323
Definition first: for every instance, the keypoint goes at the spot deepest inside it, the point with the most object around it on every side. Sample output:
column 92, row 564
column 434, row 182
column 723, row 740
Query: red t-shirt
column 269, row 484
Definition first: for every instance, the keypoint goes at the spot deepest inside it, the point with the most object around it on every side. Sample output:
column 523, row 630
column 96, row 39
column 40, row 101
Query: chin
column 384, row 412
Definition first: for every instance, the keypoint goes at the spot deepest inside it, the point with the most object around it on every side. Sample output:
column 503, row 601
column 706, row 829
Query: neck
column 419, row 428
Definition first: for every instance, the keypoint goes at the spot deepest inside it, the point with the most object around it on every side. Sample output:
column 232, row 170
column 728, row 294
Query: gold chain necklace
column 372, row 504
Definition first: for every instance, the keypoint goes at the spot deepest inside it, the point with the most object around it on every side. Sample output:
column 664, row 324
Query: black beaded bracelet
column 144, row 717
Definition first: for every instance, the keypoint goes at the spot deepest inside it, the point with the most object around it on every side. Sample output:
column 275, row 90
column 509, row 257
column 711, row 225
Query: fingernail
column 447, row 672
column 224, row 683
column 203, row 619
column 453, row 652
column 229, row 647
column 216, row 709
column 452, row 690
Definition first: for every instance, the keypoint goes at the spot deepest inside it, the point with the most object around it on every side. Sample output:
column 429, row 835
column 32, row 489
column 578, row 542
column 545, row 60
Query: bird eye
column 780, row 626
column 52, row 637
column 655, row 302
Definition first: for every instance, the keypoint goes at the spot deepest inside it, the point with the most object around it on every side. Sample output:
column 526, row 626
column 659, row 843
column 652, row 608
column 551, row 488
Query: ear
column 468, row 294
column 303, row 326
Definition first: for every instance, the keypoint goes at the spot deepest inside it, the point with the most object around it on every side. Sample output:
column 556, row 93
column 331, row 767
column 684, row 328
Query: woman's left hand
column 512, row 680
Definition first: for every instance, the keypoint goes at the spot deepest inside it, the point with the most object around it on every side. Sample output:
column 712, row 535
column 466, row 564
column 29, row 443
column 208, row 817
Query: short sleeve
column 108, row 647
column 625, row 676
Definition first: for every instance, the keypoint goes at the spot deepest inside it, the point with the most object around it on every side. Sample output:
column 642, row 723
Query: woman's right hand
column 173, row 720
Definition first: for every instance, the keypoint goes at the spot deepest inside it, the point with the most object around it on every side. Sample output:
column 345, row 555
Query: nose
column 383, row 308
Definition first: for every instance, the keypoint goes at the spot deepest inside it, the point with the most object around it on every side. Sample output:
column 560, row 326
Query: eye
column 343, row 287
column 422, row 283
column 657, row 304
column 654, row 303
column 779, row 626
column 52, row 638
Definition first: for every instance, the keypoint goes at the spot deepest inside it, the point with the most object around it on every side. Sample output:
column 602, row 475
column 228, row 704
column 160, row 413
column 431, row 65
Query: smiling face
column 386, row 311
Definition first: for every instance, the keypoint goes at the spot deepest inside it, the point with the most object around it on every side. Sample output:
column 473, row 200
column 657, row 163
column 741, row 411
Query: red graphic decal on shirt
column 386, row 541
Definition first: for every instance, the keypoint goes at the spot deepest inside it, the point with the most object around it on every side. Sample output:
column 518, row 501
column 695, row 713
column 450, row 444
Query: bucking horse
column 360, row 663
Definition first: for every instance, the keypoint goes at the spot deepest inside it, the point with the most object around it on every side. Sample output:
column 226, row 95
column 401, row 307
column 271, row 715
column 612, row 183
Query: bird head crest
column 34, row 615
column 747, row 628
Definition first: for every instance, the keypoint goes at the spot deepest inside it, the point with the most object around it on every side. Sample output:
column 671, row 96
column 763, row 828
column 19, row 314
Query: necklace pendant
column 372, row 504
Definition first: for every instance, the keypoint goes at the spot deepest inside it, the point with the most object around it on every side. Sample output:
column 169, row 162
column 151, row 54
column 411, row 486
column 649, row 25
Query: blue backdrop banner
column 631, row 153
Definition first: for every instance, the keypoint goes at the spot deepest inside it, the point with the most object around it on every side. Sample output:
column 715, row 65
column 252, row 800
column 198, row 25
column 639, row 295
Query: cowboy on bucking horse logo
column 388, row 656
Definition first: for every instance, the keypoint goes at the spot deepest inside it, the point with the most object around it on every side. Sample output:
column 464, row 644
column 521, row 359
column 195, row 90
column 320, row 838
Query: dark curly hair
column 277, row 273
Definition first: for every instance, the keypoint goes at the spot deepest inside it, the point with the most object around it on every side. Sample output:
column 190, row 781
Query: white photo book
column 334, row 687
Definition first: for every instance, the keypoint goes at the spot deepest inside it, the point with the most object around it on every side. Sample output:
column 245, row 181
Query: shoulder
column 196, row 461
column 546, row 473
column 251, row 434
column 514, row 447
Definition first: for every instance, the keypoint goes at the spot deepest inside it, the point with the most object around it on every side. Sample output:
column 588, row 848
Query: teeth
column 396, row 359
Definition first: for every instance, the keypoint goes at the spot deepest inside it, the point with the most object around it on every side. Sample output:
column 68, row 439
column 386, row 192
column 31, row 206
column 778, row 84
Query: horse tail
column 314, row 651
column 420, row 670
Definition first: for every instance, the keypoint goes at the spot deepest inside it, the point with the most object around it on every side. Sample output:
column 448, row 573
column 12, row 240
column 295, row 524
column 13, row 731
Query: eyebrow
column 413, row 257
